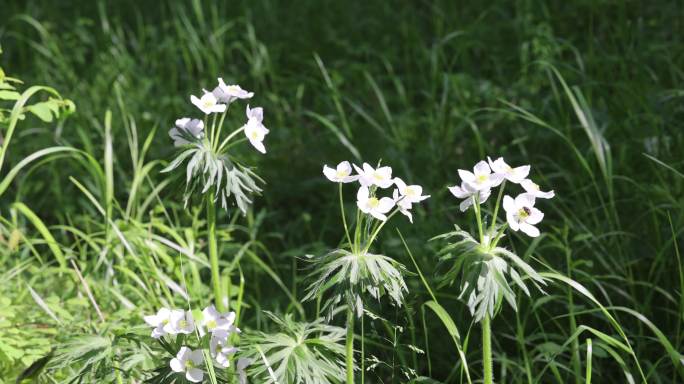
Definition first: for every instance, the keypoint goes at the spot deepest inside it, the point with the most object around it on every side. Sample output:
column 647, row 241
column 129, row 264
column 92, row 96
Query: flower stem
column 478, row 216
column 227, row 139
column 350, row 345
column 496, row 207
column 213, row 250
column 344, row 218
column 487, row 350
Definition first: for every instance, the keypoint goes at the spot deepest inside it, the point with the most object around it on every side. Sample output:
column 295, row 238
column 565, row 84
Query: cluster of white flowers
column 217, row 101
column 373, row 179
column 476, row 187
column 220, row 326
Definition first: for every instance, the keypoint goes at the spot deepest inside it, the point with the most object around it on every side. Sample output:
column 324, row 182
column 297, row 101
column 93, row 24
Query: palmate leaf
column 208, row 171
column 487, row 275
column 299, row 352
column 353, row 276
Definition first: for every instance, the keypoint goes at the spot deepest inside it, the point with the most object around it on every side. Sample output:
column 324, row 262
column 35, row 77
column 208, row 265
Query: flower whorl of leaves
column 485, row 273
column 207, row 169
column 352, row 276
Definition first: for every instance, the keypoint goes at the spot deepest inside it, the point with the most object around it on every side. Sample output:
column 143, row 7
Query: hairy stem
column 487, row 350
column 344, row 218
column 213, row 250
column 350, row 345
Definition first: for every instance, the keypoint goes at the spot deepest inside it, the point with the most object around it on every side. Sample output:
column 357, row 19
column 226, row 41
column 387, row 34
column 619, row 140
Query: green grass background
column 590, row 93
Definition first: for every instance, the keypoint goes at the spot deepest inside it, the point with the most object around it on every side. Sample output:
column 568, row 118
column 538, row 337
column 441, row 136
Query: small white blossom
column 372, row 205
column 411, row 193
column 160, row 322
column 185, row 130
column 382, row 176
column 220, row 349
column 181, row 322
column 229, row 93
column 208, row 103
column 403, row 204
column 213, row 321
column 187, row 361
column 481, row 178
column 521, row 214
column 254, row 129
column 534, row 190
column 468, row 192
column 514, row 175
column 340, row 174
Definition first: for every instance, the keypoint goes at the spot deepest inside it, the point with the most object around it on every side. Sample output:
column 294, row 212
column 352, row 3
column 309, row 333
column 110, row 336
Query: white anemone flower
column 481, row 178
column 220, row 349
column 228, row 93
column 241, row 368
column 254, row 129
column 160, row 322
column 467, row 192
column 185, row 130
column 404, row 204
column 521, row 214
column 187, row 361
column 382, row 176
column 372, row 205
column 341, row 173
column 410, row 193
column 181, row 322
column 534, row 190
column 514, row 175
column 208, row 103
column 213, row 321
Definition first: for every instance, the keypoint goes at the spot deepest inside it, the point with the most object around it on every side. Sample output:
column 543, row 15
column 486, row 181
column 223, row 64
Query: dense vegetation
column 93, row 236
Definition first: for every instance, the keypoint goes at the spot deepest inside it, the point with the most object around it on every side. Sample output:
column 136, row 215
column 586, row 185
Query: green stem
column 487, row 350
column 350, row 345
column 496, row 207
column 213, row 250
column 344, row 218
column 493, row 243
column 227, row 139
column 478, row 216
column 375, row 232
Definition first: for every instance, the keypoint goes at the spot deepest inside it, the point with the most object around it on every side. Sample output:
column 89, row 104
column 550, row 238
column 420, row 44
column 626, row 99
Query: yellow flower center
column 535, row 186
column 254, row 135
column 189, row 364
column 342, row 173
column 481, row 179
column 211, row 324
column 524, row 213
column 411, row 191
column 373, row 202
column 378, row 176
column 165, row 321
column 183, row 323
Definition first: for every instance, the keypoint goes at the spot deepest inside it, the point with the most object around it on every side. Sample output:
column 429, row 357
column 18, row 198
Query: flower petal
column 535, row 216
column 466, row 176
column 176, row 365
column 529, row 229
column 482, row 168
column 330, row 173
column 195, row 375
column 509, row 204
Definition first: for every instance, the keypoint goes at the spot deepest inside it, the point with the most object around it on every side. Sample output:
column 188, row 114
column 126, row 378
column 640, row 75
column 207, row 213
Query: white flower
column 185, row 130
column 514, row 175
column 207, row 103
column 372, row 205
column 160, row 322
column 240, row 366
column 341, row 174
column 468, row 192
column 410, row 193
column 187, row 361
column 220, row 349
column 382, row 177
column 254, row 129
column 213, row 321
column 403, row 204
column 481, row 178
column 229, row 93
column 534, row 190
column 521, row 214
column 181, row 322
